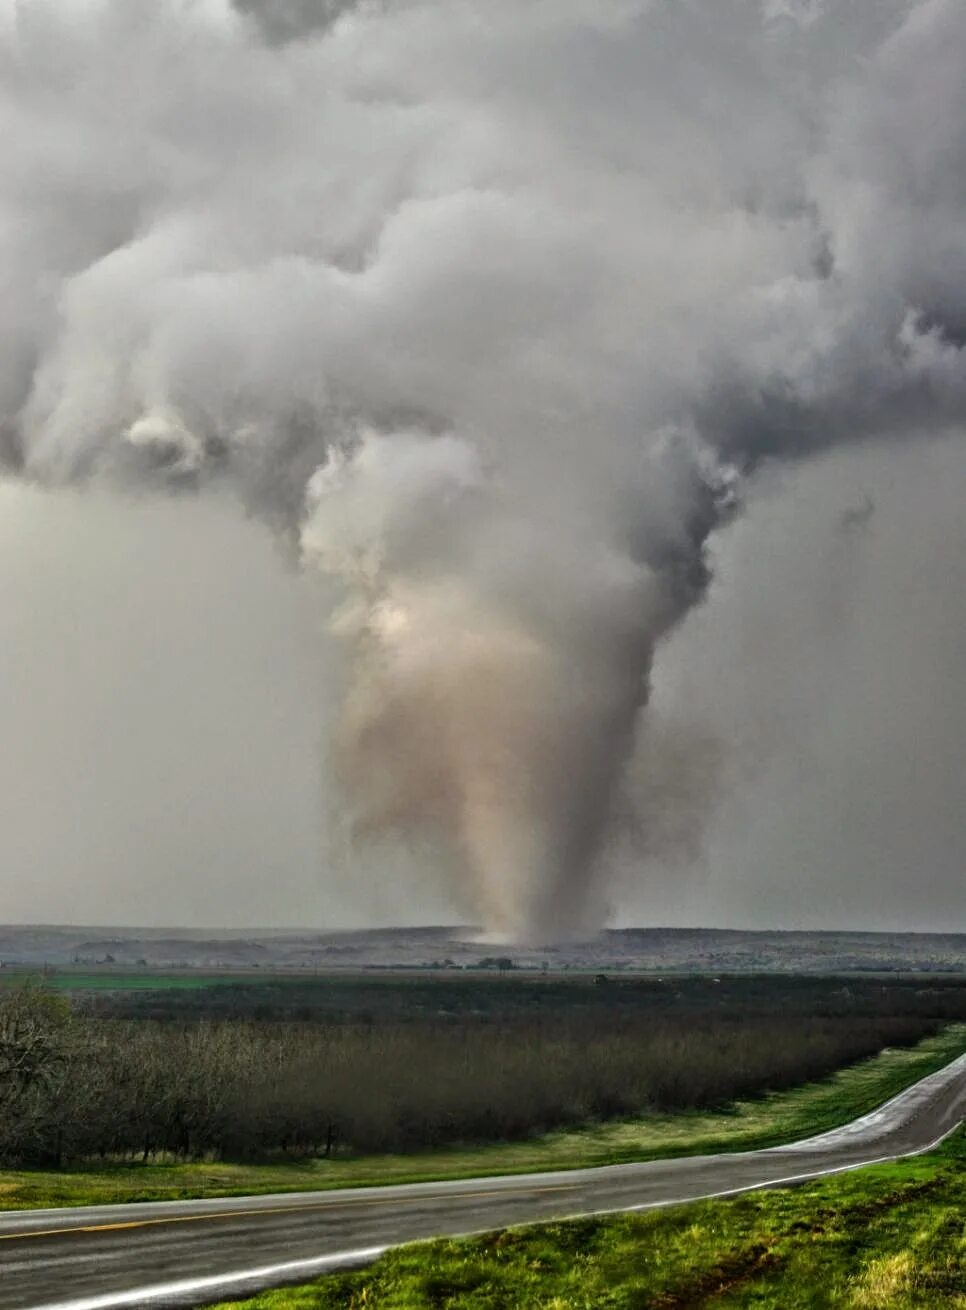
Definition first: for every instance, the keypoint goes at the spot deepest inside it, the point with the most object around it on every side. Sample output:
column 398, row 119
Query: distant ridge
column 685, row 950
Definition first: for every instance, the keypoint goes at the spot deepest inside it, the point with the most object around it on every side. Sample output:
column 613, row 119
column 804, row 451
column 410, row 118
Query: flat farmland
column 107, row 980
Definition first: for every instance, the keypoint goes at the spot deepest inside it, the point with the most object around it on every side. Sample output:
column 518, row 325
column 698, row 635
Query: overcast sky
column 483, row 459
column 164, row 736
column 826, row 666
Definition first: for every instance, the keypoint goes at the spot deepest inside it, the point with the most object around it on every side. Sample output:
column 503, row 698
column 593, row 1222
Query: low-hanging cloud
column 488, row 309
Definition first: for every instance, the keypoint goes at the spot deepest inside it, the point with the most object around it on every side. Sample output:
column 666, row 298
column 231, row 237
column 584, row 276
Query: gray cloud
column 487, row 310
column 823, row 674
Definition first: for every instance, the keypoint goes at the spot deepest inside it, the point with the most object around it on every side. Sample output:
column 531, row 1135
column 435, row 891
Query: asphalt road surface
column 188, row 1253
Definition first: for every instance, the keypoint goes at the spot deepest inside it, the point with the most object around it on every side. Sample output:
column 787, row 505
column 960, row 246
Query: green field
column 889, row 1237
column 80, row 980
column 745, row 1125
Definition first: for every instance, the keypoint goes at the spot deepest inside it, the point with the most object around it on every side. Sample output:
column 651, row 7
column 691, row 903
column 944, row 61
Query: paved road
column 187, row 1253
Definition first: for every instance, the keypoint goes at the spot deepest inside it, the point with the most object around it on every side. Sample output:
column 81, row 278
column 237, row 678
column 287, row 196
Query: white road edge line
column 138, row 1296
column 143, row 1296
column 793, row 1178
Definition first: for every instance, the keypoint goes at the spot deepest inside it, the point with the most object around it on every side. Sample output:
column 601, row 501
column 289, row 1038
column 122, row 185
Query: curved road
column 188, row 1253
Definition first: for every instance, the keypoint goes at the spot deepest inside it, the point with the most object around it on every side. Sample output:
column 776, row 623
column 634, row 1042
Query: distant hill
column 691, row 950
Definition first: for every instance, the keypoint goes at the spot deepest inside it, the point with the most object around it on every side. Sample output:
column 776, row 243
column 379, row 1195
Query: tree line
column 76, row 1087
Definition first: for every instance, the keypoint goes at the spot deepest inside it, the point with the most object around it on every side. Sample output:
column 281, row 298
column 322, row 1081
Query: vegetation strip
column 744, row 1125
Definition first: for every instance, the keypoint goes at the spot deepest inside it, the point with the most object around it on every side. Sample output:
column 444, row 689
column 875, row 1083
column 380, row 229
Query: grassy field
column 455, row 995
column 890, row 1237
column 107, row 980
column 744, row 1125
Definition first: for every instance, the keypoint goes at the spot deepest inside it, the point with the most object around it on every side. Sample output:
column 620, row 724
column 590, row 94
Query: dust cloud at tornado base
column 492, row 315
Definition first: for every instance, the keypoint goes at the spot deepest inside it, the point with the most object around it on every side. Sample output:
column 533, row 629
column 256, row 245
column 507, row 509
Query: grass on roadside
column 745, row 1125
column 889, row 1237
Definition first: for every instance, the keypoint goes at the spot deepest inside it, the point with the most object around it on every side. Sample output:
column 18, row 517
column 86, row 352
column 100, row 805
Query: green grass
column 71, row 980
column 745, row 1125
column 890, row 1237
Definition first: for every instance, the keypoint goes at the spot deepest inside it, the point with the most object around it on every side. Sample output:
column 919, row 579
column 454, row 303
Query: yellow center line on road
column 277, row 1209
